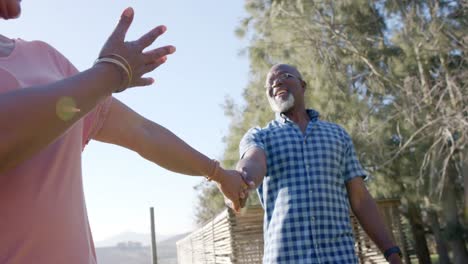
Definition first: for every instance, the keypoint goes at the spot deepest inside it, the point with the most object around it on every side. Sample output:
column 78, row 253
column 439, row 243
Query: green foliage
column 393, row 73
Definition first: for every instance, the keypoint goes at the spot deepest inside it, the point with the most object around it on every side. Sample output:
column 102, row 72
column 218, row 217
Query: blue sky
column 190, row 88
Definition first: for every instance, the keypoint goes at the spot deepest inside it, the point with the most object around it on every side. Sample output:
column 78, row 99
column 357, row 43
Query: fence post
column 153, row 237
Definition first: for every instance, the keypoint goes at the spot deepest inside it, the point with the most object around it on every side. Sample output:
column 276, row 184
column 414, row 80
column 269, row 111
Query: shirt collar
column 313, row 115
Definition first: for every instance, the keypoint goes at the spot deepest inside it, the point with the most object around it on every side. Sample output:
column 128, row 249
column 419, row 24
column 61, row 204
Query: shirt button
column 312, row 218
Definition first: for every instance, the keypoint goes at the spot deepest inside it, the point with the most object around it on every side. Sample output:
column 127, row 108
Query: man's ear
column 304, row 84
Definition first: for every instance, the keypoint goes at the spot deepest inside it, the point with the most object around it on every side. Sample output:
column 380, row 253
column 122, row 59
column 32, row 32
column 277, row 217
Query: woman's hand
column 139, row 62
column 10, row 9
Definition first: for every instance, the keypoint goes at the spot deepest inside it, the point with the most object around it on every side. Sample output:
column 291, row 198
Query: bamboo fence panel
column 238, row 239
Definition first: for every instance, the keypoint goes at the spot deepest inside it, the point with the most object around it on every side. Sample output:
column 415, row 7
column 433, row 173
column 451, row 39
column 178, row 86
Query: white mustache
column 280, row 105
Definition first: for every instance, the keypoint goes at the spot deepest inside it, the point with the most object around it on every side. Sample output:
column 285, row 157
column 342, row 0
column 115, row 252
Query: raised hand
column 139, row 61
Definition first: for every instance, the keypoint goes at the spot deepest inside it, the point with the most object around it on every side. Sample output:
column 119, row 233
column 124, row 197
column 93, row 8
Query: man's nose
column 277, row 82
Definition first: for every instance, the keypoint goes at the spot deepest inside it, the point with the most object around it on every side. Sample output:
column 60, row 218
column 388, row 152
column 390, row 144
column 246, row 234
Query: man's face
column 283, row 85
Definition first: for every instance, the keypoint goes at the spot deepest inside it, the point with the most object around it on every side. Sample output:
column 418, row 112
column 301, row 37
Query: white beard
column 280, row 105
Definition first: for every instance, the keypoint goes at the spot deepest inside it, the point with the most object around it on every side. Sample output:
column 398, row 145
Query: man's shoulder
column 260, row 132
column 331, row 125
column 274, row 123
column 334, row 128
column 265, row 128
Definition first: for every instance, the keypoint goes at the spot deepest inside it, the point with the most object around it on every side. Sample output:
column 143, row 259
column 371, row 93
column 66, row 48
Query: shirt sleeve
column 352, row 166
column 251, row 139
column 64, row 67
column 93, row 121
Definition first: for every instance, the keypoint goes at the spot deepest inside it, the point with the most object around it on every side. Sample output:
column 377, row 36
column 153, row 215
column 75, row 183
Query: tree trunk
column 464, row 172
column 440, row 241
column 417, row 228
column 455, row 239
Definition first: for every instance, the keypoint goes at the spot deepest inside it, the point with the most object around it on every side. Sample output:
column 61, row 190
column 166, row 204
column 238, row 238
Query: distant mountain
column 136, row 253
column 167, row 249
column 144, row 239
column 121, row 255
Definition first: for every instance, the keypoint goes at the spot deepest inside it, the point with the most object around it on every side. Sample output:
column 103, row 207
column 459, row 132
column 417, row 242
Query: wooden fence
column 238, row 239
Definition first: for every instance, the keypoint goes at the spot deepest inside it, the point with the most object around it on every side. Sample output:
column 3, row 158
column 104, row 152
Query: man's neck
column 300, row 117
column 6, row 46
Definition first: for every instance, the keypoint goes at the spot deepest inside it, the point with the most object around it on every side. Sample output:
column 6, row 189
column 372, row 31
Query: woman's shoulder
column 35, row 44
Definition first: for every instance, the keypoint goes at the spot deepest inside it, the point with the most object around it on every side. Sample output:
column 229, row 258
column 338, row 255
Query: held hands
column 134, row 63
column 234, row 187
column 251, row 183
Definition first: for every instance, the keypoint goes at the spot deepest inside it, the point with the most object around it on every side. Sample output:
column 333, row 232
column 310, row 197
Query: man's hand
column 253, row 169
column 394, row 259
column 251, row 186
column 235, row 189
column 231, row 185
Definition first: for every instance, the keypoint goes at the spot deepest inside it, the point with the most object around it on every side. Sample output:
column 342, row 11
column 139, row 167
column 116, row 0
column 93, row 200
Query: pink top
column 43, row 216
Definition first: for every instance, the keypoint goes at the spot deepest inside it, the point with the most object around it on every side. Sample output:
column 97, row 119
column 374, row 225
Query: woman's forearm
column 164, row 148
column 33, row 117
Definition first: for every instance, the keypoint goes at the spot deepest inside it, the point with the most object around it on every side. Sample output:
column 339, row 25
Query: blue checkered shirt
column 303, row 192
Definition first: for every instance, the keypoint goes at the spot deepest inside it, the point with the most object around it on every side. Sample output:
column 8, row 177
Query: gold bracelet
column 126, row 63
column 118, row 63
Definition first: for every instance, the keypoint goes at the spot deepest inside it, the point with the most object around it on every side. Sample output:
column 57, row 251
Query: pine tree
column 393, row 73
